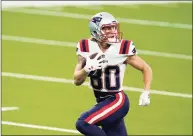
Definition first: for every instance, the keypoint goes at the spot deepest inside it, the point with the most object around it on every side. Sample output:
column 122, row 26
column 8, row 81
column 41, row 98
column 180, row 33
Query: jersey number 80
column 109, row 79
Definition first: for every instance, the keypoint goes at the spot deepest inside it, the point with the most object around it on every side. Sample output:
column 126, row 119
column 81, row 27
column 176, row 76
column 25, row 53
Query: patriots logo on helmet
column 96, row 20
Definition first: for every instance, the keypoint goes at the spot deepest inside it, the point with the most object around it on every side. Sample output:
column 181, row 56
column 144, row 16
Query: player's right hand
column 144, row 99
column 93, row 64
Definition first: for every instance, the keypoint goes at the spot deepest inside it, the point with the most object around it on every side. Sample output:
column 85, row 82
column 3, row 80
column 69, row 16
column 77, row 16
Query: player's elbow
column 77, row 83
column 79, row 78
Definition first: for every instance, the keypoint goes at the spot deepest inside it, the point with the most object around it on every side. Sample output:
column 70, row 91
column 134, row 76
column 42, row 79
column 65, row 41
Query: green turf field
column 57, row 103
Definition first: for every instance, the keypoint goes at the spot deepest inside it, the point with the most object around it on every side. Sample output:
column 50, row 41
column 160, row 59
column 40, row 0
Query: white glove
column 144, row 99
column 94, row 64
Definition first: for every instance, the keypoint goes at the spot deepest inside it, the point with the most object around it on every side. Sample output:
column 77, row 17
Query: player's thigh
column 116, row 128
column 115, row 113
column 108, row 111
column 95, row 109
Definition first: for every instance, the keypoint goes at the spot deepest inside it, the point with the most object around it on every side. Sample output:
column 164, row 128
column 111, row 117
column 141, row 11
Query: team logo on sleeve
column 134, row 50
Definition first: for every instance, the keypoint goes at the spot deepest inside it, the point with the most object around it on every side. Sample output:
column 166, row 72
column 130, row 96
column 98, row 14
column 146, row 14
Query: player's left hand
column 144, row 99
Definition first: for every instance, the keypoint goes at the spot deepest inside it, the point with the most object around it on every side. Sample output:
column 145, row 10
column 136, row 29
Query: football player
column 103, row 58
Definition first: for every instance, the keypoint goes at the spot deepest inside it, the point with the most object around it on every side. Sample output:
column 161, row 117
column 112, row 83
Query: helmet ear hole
column 94, row 36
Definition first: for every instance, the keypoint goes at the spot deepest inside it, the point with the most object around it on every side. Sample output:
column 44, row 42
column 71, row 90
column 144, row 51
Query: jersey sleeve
column 132, row 49
column 78, row 52
column 127, row 48
column 82, row 47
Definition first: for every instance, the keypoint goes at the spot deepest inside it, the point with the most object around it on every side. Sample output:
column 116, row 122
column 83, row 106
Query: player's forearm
column 147, row 77
column 80, row 77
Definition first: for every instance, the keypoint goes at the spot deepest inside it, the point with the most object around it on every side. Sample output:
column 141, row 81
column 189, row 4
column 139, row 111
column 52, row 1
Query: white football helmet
column 105, row 28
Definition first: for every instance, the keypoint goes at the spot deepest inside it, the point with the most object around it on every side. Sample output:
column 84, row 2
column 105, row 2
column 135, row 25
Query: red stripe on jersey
column 81, row 47
column 84, row 45
column 127, row 47
column 87, row 47
column 121, row 49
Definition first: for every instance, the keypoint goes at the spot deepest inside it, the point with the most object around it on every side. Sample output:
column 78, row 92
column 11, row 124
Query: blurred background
column 39, row 55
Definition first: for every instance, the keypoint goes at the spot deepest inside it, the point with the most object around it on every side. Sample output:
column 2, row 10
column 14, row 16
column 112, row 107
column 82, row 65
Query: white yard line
column 84, row 16
column 39, row 127
column 62, row 80
column 9, row 108
column 71, row 44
